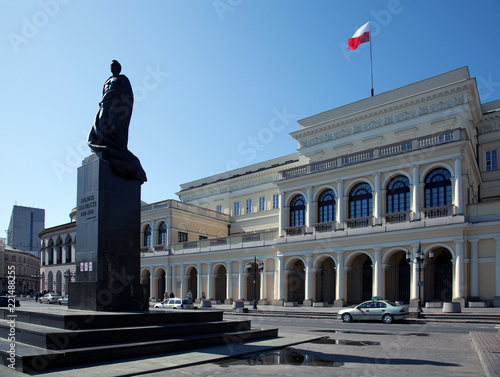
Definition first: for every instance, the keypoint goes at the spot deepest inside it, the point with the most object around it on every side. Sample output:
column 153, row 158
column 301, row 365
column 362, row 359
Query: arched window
column 360, row 201
column 398, row 194
column 437, row 188
column 162, row 234
column 298, row 211
column 326, row 207
column 147, row 236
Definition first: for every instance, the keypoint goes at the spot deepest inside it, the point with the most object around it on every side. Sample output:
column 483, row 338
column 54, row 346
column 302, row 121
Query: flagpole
column 371, row 62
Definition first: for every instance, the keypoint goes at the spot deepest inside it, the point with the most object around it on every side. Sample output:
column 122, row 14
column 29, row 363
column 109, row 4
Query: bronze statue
column 109, row 134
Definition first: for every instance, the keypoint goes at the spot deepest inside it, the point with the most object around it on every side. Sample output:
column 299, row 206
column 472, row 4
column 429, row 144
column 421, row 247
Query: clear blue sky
column 209, row 76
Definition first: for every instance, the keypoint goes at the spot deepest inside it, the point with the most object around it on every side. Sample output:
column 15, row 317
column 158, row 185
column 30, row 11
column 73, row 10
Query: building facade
column 21, row 267
column 373, row 185
column 25, row 224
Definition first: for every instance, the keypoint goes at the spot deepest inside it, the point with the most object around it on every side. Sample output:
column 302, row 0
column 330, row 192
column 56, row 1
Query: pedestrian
column 190, row 295
column 165, row 296
column 172, row 294
column 36, row 296
column 203, row 295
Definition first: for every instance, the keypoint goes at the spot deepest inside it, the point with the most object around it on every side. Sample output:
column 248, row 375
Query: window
column 361, row 201
column 182, row 237
column 262, row 203
column 218, row 208
column 249, row 206
column 438, row 188
column 202, row 237
column 147, row 236
column 236, row 211
column 491, row 160
column 162, row 234
column 326, row 207
column 298, row 211
column 276, row 201
column 398, row 195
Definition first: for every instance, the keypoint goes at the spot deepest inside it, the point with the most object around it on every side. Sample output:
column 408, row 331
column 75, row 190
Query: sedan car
column 374, row 310
column 176, row 303
column 63, row 300
column 50, row 298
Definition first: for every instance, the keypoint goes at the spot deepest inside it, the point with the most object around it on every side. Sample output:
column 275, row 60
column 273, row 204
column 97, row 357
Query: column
column 241, row 279
column 229, row 282
column 309, row 210
column 209, row 282
column 309, row 281
column 151, row 286
column 376, row 199
column 339, row 289
column 174, row 279
column 415, row 195
column 263, row 291
column 458, row 287
column 457, row 200
column 199, row 286
column 169, row 237
column 340, row 204
column 168, row 279
column 414, row 276
column 183, row 280
column 377, row 272
column 281, row 217
column 474, row 269
column 280, row 277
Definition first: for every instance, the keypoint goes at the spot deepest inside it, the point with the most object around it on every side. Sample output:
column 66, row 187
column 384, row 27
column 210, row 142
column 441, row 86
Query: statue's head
column 116, row 67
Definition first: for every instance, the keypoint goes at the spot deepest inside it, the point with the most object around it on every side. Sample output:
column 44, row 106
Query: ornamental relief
column 381, row 122
column 488, row 128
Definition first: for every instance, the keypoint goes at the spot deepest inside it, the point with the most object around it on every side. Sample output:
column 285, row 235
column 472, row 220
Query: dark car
column 5, row 301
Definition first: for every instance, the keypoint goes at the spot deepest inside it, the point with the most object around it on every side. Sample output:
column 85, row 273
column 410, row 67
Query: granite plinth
column 107, row 250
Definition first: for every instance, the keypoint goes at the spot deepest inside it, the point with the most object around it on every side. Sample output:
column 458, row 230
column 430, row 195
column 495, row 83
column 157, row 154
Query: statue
column 109, row 134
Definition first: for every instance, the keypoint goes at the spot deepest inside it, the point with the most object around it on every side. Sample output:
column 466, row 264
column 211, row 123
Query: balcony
column 325, row 227
column 398, row 217
column 360, row 222
column 435, row 212
column 375, row 153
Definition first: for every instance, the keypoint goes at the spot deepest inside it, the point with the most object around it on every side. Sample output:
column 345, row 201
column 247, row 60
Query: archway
column 146, row 280
column 50, row 281
column 220, row 283
column 296, row 282
column 161, row 284
column 325, row 281
column 397, row 278
column 253, row 276
column 360, row 280
column 192, row 283
column 438, row 276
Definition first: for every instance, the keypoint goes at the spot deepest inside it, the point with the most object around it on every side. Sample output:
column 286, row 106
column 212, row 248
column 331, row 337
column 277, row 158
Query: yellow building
column 375, row 187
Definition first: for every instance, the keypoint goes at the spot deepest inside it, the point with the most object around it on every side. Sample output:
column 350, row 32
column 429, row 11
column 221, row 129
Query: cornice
column 335, row 129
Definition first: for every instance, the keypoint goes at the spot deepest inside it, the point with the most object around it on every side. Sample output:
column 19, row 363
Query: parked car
column 63, row 300
column 50, row 298
column 4, row 302
column 176, row 303
column 374, row 310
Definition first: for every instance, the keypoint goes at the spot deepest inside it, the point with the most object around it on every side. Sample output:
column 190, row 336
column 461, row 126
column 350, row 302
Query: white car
column 375, row 310
column 50, row 298
column 176, row 303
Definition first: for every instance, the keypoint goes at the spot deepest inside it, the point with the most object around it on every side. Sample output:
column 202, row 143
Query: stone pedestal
column 107, row 250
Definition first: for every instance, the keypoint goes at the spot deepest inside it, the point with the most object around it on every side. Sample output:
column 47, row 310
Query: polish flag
column 361, row 36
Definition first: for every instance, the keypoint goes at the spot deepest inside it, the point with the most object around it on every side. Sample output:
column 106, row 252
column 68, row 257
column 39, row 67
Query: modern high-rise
column 25, row 224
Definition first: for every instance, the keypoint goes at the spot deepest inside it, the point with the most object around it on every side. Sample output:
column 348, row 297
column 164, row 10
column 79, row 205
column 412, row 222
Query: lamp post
column 36, row 277
column 420, row 261
column 254, row 276
column 67, row 275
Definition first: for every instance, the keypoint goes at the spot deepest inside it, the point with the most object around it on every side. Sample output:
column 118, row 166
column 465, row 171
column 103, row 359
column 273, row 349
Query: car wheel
column 387, row 318
column 346, row 317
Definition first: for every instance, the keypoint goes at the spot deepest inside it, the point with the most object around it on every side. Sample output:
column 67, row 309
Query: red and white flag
column 361, row 36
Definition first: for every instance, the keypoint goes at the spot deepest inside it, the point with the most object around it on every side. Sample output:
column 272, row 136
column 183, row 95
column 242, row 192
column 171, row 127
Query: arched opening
column 397, row 278
column 296, row 282
column 59, row 251
column 438, row 276
column 146, row 280
column 147, row 236
column 326, row 207
column 220, row 284
column 161, row 284
column 253, row 278
column 50, row 282
column 325, row 281
column 162, row 234
column 298, row 211
column 58, row 287
column 193, row 282
column 360, row 280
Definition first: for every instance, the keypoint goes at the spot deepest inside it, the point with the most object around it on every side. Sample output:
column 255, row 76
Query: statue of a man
column 109, row 134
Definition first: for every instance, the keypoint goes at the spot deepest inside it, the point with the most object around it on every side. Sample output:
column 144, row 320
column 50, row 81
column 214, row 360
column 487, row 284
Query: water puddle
column 284, row 356
column 371, row 333
column 343, row 342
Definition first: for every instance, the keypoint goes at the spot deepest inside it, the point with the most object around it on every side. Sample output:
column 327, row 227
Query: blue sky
column 209, row 77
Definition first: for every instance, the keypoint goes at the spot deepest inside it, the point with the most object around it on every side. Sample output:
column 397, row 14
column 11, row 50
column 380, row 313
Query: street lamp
column 37, row 281
column 249, row 269
column 420, row 261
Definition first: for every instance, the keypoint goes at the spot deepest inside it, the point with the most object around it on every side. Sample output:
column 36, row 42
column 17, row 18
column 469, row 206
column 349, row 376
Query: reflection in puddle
column 327, row 340
column 372, row 332
column 285, row 356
